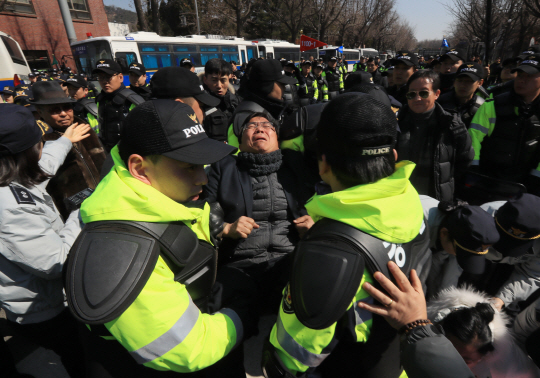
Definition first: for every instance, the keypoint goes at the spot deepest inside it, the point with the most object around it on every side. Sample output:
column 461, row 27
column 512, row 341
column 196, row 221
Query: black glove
column 301, row 79
column 341, row 90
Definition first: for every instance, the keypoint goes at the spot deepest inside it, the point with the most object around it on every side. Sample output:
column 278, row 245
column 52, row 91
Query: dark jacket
column 399, row 93
column 467, row 111
column 143, row 91
column 452, row 150
column 217, row 119
column 230, row 185
column 379, row 79
column 79, row 171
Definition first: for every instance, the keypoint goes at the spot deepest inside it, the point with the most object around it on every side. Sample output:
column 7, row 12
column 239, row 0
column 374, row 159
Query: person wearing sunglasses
column 437, row 141
column 82, row 165
column 114, row 102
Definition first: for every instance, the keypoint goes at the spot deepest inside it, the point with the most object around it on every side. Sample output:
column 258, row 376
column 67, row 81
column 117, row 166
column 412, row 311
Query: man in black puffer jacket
column 437, row 141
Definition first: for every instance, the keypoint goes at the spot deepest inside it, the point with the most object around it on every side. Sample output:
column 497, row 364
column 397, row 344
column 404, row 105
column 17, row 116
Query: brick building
column 39, row 28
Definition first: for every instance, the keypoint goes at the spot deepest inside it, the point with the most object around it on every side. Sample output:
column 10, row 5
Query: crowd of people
column 388, row 218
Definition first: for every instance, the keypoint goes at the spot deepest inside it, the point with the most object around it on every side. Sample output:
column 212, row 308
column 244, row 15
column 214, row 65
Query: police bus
column 14, row 68
column 350, row 56
column 277, row 49
column 155, row 51
column 369, row 53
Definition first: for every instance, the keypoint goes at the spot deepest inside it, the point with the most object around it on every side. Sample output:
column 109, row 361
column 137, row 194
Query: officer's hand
column 403, row 304
column 303, row 224
column 498, row 303
column 76, row 132
column 239, row 229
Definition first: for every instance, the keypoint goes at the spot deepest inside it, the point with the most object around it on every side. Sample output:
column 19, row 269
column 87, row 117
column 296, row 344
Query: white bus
column 155, row 52
column 277, row 49
column 369, row 53
column 13, row 64
column 350, row 56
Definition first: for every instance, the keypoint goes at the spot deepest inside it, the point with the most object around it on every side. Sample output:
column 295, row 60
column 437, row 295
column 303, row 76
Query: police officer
column 373, row 69
column 33, row 77
column 405, row 65
column 450, row 62
column 334, row 78
column 342, row 66
column 7, row 94
column 166, row 314
column 318, row 329
column 137, row 80
column 216, row 83
column 322, row 84
column 506, row 77
column 421, row 62
column 465, row 98
column 85, row 108
column 188, row 64
column 360, row 66
column 292, row 92
column 114, row 102
column 506, row 131
column 312, row 93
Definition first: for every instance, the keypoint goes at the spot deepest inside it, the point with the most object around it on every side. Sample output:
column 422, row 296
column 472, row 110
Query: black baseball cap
column 77, row 81
column 472, row 228
column 23, row 96
column 530, row 65
column 108, row 66
column 269, row 70
column 334, row 58
column 348, row 124
column 531, row 50
column 518, row 222
column 306, row 63
column 137, row 68
column 8, row 90
column 49, row 93
column 407, row 58
column 19, row 130
column 455, row 55
column 471, row 69
column 317, row 65
column 173, row 82
column 32, row 74
column 283, row 61
column 170, row 128
column 290, row 63
column 357, row 78
column 186, row 62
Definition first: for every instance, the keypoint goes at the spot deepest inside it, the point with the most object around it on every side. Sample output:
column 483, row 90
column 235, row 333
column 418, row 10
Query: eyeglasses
column 412, row 95
column 266, row 125
column 101, row 77
column 60, row 108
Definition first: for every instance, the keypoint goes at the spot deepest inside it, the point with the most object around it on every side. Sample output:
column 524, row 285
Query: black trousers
column 58, row 334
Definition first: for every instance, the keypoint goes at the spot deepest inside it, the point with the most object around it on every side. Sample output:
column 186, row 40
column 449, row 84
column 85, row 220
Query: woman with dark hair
column 34, row 240
column 479, row 334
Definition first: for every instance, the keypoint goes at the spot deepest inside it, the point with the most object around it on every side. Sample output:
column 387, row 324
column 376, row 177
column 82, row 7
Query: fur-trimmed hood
column 448, row 299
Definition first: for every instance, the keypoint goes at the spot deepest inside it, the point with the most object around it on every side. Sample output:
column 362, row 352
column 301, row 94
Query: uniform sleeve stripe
column 534, row 172
column 295, row 350
column 170, row 339
column 480, row 128
column 492, row 120
column 237, row 324
column 362, row 315
column 475, row 162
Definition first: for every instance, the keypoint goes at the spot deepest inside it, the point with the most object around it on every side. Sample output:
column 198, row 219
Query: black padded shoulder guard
column 128, row 95
column 329, row 265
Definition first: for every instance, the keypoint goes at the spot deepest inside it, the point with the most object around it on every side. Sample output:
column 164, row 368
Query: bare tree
column 242, row 10
column 140, row 15
column 156, row 23
column 291, row 13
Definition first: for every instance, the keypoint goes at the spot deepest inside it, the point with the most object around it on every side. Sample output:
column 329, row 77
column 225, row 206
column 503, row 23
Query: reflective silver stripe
column 360, row 314
column 170, row 339
column 534, row 172
column 295, row 350
column 210, row 111
column 237, row 324
column 480, row 128
column 492, row 120
column 475, row 162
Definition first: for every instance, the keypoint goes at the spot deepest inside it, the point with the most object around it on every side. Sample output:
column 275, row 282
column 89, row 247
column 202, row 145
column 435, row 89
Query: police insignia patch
column 22, row 196
column 287, row 301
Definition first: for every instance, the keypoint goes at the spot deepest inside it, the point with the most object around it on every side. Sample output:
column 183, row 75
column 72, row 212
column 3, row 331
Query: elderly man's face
column 259, row 137
column 58, row 116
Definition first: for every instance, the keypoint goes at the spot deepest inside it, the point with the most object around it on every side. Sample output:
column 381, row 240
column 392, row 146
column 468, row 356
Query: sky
column 429, row 18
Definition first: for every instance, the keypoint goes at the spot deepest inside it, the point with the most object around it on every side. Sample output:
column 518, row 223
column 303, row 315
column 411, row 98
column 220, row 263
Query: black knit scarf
column 261, row 164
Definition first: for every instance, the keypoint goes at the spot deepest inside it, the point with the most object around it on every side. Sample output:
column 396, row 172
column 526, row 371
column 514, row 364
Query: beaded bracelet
column 417, row 323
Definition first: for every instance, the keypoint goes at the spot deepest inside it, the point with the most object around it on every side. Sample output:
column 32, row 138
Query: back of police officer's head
column 355, row 141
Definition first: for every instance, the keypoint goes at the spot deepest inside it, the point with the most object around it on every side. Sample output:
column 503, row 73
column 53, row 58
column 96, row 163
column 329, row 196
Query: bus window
column 155, row 61
column 194, row 57
column 262, row 51
column 184, row 48
column 243, row 56
column 230, row 53
column 86, row 55
column 14, row 51
column 270, row 56
column 290, row 53
column 251, row 51
column 154, row 47
column 130, row 57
